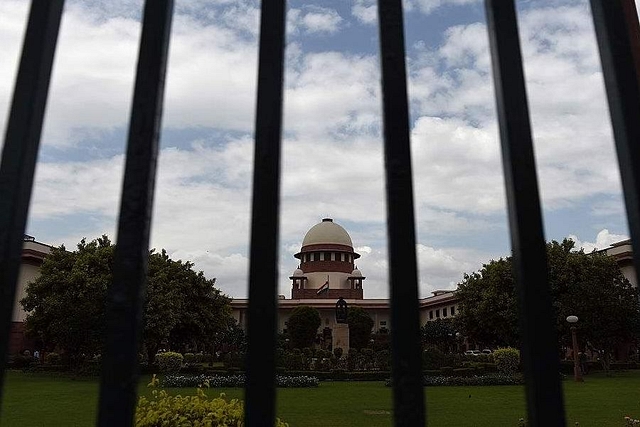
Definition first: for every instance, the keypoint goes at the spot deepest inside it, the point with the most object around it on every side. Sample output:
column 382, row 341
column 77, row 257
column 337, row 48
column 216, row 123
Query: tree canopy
column 360, row 324
column 66, row 303
column 440, row 333
column 303, row 325
column 589, row 286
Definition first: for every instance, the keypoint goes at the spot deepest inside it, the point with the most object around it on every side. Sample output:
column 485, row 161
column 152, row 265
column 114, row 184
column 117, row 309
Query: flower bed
column 227, row 381
column 475, row 380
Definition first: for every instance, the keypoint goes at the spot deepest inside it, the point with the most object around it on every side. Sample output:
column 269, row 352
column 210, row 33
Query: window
column 327, row 256
column 322, row 257
column 453, row 310
column 342, row 257
column 333, row 256
column 438, row 313
column 444, row 312
column 430, row 314
column 316, row 256
column 383, row 323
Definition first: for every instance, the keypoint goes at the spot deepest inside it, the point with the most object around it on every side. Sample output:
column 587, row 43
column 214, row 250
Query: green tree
column 303, row 325
column 66, row 303
column 589, row 286
column 440, row 333
column 360, row 325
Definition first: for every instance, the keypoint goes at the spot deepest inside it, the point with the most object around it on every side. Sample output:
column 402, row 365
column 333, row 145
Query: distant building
column 623, row 254
column 33, row 254
column 327, row 271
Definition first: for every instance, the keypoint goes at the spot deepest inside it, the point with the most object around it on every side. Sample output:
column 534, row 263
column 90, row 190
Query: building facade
column 328, row 271
column 33, row 254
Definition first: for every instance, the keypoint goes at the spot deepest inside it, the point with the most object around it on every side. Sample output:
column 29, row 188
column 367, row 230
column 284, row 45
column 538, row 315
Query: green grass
column 38, row 400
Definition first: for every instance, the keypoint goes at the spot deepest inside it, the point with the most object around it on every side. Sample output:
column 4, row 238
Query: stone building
column 33, row 254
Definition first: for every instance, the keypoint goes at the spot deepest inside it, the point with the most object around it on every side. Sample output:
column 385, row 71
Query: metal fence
column 618, row 38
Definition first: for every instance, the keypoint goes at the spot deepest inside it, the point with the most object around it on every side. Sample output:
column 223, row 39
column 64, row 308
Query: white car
column 472, row 353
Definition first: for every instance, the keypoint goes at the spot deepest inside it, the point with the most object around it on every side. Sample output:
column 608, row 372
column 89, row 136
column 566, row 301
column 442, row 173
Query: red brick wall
column 18, row 340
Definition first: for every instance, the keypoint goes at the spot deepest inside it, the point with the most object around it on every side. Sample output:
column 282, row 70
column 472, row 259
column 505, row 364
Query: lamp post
column 577, row 373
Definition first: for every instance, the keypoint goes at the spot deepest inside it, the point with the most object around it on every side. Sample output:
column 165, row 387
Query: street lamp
column 577, row 373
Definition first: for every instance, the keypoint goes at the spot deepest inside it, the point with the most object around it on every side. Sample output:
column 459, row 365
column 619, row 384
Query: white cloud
column 604, row 239
column 313, row 20
column 365, row 11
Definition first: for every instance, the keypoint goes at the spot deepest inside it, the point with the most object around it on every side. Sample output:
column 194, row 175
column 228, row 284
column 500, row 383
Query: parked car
column 486, row 351
column 472, row 353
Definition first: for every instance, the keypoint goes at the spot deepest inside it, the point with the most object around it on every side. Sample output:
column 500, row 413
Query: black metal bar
column 126, row 294
column 618, row 35
column 20, row 151
column 260, row 391
column 539, row 340
column 408, row 390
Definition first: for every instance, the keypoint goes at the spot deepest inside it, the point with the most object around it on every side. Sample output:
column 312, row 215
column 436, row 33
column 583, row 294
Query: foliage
column 589, row 286
column 440, row 333
column 360, row 325
column 66, row 303
column 198, row 410
column 507, row 360
column 169, row 362
column 229, row 381
column 338, row 352
column 474, row 380
column 52, row 358
column 303, row 325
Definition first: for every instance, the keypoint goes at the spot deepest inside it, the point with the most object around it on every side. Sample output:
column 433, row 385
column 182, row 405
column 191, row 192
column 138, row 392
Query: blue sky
column 332, row 147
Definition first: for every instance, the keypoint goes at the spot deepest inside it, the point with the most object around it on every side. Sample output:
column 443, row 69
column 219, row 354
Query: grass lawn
column 38, row 400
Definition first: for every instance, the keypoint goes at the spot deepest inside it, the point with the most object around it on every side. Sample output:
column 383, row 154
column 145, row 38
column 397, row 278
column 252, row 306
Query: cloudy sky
column 332, row 147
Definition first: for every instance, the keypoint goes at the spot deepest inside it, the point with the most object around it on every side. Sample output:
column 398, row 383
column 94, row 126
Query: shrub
column 476, row 380
column 52, row 358
column 169, row 362
column 189, row 358
column 22, row 362
column 434, row 358
column 383, row 360
column 231, row 381
column 507, row 360
column 337, row 352
column 177, row 411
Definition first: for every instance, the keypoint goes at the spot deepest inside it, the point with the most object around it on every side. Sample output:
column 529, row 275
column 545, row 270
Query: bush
column 507, row 360
column 177, row 411
column 169, row 362
column 231, row 381
column 475, row 380
column 189, row 358
column 52, row 358
column 337, row 352
column 22, row 362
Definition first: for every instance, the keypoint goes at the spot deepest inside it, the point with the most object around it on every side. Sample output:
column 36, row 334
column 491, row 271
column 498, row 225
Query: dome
column 298, row 273
column 327, row 232
column 356, row 273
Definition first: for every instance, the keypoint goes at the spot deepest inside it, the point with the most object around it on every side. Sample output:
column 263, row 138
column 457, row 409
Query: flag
column 324, row 287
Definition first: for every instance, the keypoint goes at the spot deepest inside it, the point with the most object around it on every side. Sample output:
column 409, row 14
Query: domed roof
column 356, row 273
column 327, row 232
column 298, row 273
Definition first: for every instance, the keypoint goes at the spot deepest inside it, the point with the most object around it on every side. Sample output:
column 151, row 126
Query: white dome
column 327, row 232
column 298, row 273
column 356, row 273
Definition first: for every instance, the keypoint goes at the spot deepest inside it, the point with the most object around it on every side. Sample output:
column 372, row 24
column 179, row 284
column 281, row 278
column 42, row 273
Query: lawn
column 37, row 400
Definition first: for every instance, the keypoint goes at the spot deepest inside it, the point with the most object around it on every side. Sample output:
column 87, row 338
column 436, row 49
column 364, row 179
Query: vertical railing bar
column 618, row 35
column 263, row 259
column 20, row 151
column 408, row 389
column 126, row 295
column 537, row 326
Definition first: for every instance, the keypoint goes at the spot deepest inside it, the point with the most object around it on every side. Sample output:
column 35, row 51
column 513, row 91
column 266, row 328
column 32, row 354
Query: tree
column 440, row 333
column 303, row 325
column 66, row 303
column 589, row 286
column 360, row 324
